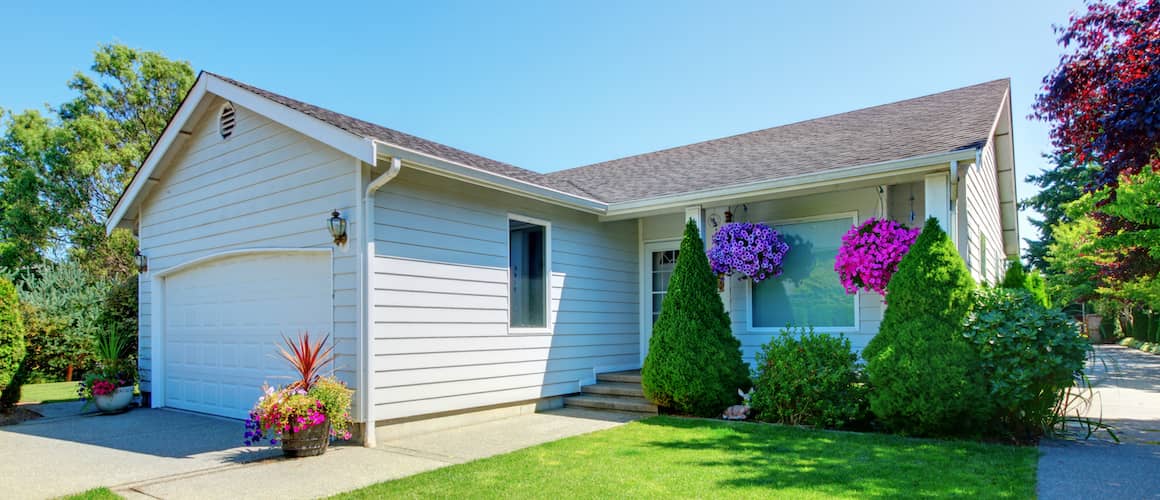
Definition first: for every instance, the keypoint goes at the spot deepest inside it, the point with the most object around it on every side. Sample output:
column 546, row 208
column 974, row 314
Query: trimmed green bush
column 694, row 363
column 1015, row 277
column 11, row 332
column 808, row 378
column 1028, row 356
column 924, row 375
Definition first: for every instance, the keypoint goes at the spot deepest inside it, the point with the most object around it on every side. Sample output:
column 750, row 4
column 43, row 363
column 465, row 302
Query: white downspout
column 368, row 374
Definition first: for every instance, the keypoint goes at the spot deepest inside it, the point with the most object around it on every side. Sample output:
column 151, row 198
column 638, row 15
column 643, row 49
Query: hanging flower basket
column 754, row 251
column 870, row 254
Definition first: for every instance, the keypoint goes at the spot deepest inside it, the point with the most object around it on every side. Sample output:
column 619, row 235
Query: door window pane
column 808, row 293
column 527, row 275
column 663, row 263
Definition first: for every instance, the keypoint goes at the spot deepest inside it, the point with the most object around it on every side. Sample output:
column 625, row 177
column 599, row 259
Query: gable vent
column 226, row 121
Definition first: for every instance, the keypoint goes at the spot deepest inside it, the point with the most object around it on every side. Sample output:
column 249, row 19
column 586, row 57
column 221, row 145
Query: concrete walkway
column 1127, row 397
column 175, row 455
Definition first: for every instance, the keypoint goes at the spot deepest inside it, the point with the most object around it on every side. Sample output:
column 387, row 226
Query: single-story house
column 467, row 283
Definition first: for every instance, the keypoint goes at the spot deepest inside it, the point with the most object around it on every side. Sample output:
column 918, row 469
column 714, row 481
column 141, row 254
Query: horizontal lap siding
column 982, row 208
column 266, row 186
column 441, row 300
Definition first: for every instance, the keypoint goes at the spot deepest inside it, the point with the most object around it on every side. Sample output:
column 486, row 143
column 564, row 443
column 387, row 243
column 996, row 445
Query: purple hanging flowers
column 753, row 250
column 870, row 254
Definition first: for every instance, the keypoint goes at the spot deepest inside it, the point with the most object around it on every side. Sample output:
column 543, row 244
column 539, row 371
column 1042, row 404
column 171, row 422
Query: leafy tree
column 63, row 173
column 1059, row 185
column 1104, row 96
column 64, row 311
column 11, row 332
column 923, row 373
column 694, row 362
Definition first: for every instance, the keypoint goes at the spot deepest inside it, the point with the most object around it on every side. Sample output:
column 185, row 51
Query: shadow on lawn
column 161, row 433
column 842, row 463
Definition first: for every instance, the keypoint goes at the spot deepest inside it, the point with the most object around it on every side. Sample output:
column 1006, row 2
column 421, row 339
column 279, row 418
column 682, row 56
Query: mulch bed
column 17, row 415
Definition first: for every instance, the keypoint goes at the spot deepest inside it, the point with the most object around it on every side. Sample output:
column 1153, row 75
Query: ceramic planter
column 116, row 402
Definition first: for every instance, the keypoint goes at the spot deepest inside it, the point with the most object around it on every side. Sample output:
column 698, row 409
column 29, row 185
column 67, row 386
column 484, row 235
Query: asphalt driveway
column 149, row 453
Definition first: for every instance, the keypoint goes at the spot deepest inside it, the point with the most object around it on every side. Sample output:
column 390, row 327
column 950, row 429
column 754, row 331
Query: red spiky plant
column 307, row 358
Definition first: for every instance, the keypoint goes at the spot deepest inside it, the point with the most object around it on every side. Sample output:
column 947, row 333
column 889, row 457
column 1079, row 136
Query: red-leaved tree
column 1103, row 100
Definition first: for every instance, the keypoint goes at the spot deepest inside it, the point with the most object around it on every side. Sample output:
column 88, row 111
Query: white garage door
column 224, row 322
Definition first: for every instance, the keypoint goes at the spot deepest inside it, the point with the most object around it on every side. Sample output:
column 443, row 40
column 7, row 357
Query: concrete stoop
column 616, row 391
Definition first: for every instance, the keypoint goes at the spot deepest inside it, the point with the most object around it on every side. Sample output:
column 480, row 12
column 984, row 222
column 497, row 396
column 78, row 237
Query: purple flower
column 753, row 250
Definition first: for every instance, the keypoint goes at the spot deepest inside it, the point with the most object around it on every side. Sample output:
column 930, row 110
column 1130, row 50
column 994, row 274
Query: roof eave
column 473, row 175
column 916, row 164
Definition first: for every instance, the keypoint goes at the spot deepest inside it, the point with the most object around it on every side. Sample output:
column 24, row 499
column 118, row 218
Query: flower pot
column 116, row 402
column 309, row 442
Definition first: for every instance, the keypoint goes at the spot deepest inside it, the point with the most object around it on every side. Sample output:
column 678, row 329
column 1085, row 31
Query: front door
column 660, row 260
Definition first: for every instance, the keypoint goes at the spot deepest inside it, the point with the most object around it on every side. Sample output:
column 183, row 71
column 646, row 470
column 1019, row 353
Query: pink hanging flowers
column 753, row 250
column 870, row 254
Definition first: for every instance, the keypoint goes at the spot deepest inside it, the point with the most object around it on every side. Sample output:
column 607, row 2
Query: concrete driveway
column 1126, row 385
column 168, row 454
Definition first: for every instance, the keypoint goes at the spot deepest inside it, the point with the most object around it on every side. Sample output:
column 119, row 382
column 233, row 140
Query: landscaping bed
column 669, row 456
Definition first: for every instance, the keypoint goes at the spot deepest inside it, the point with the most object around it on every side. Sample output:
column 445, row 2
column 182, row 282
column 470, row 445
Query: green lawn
column 49, row 393
column 667, row 456
column 94, row 494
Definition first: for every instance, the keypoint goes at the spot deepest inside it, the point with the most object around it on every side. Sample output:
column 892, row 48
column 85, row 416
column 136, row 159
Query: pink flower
column 870, row 254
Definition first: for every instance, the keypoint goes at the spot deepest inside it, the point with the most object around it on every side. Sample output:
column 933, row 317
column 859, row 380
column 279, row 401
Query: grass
column 94, row 494
column 49, row 393
column 666, row 456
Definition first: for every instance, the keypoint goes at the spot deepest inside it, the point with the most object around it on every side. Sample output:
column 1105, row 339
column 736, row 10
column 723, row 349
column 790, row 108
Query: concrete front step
column 618, row 403
column 614, row 389
column 629, row 377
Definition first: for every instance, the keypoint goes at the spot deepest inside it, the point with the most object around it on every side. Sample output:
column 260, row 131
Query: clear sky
column 553, row 84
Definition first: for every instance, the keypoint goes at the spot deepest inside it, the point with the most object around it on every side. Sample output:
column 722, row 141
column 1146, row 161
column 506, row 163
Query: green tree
column 922, row 371
column 1015, row 277
column 694, row 362
column 64, row 309
column 64, row 173
column 1059, row 185
column 11, row 332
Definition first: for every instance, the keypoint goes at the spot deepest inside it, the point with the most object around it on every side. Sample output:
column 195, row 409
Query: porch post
column 938, row 200
column 694, row 212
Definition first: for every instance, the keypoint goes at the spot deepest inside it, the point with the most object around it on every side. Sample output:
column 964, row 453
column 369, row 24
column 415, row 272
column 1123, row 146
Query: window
column 528, row 271
column 808, row 293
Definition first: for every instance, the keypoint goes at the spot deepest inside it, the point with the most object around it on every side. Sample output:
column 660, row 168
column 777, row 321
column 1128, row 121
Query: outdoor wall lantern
column 142, row 262
column 337, row 228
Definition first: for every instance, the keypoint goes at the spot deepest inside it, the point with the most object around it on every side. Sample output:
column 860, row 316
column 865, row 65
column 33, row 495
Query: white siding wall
column 862, row 201
column 981, row 202
column 266, row 186
column 441, row 300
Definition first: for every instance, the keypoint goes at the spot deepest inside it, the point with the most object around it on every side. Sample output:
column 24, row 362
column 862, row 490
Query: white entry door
column 224, row 322
column 660, row 260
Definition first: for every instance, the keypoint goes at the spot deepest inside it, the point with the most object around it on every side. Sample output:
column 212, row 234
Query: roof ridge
column 784, row 125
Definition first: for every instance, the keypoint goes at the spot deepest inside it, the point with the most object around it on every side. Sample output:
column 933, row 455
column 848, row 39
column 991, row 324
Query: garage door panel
column 224, row 325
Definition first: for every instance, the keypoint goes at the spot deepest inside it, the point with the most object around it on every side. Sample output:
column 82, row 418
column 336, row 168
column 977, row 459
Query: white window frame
column 857, row 297
column 549, row 318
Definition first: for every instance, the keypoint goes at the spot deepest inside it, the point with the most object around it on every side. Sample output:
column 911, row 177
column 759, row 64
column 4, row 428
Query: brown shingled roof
column 938, row 123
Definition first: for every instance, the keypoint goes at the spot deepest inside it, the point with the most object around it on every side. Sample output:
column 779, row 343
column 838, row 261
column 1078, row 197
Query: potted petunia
column 754, row 251
column 110, row 384
column 306, row 414
column 870, row 254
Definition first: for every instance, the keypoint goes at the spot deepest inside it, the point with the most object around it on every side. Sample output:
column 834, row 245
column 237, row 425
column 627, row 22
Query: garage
column 224, row 319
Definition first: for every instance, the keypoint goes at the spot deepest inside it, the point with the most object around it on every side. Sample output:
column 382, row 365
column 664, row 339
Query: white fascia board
column 676, row 202
column 171, row 134
column 346, row 142
column 479, row 177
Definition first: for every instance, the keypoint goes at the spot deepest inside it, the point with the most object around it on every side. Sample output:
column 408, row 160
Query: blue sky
column 551, row 85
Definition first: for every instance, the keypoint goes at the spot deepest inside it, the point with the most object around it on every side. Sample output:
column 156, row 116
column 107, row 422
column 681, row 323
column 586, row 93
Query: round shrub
column 694, row 363
column 923, row 373
column 808, row 378
column 11, row 332
column 1028, row 355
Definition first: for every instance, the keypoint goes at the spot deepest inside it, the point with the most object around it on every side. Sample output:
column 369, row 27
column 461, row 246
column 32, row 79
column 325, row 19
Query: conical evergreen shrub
column 924, row 375
column 694, row 363
column 11, row 332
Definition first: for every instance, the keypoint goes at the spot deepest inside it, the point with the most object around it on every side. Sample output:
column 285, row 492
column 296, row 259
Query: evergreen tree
column 923, row 373
column 11, row 332
column 1015, row 277
column 694, row 362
